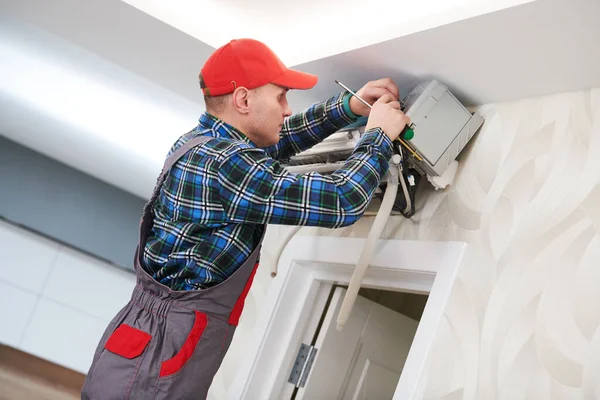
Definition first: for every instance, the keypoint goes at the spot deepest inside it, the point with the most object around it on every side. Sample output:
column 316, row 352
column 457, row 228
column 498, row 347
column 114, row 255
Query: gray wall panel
column 57, row 201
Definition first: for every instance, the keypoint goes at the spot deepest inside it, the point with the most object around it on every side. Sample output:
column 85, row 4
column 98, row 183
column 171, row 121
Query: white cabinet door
column 365, row 359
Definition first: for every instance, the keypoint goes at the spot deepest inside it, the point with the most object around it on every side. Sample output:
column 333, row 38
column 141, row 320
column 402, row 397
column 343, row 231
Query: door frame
column 308, row 266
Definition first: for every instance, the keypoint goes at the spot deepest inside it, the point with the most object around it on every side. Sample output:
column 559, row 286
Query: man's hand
column 386, row 115
column 372, row 92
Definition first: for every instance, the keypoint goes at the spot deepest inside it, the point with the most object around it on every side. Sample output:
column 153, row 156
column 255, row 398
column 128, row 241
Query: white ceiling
column 106, row 86
column 308, row 30
column 539, row 48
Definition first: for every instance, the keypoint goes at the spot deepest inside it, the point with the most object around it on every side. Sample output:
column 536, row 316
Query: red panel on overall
column 175, row 363
column 236, row 312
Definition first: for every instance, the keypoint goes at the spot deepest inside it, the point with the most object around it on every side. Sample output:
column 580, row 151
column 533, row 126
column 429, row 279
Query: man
column 202, row 230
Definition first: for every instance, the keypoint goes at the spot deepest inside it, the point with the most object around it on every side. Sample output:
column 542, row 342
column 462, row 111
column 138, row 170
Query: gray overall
column 167, row 344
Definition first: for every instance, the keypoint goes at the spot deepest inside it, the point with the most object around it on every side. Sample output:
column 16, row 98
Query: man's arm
column 254, row 188
column 302, row 131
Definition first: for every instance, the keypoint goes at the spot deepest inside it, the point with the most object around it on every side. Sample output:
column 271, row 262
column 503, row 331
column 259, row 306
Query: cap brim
column 293, row 79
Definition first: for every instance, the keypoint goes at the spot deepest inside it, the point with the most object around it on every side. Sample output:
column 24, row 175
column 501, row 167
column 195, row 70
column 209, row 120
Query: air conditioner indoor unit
column 442, row 127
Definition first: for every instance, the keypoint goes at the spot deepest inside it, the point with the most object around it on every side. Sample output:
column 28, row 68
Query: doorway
column 364, row 361
column 293, row 307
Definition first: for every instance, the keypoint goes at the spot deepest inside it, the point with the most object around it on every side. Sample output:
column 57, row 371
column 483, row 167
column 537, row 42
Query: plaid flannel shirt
column 218, row 198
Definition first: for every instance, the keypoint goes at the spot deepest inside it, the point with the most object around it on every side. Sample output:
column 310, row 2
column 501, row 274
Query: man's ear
column 240, row 100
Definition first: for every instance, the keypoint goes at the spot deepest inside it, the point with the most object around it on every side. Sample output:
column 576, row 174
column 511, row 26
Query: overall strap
column 147, row 217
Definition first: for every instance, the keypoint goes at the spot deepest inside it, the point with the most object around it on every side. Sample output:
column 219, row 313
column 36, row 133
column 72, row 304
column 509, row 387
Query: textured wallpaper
column 524, row 317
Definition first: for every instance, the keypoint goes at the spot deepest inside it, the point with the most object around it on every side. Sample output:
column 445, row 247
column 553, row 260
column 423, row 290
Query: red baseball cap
column 251, row 64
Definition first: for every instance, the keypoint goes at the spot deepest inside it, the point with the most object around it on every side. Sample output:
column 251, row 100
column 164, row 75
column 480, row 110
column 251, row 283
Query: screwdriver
column 408, row 133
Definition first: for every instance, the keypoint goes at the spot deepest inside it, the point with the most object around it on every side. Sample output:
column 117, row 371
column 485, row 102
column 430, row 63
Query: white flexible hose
column 405, row 190
column 361, row 268
column 286, row 241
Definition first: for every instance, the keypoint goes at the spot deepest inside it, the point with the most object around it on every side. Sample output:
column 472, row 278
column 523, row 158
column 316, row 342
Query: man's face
column 268, row 112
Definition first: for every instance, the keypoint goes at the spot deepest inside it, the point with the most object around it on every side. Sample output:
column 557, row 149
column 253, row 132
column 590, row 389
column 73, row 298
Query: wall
column 55, row 301
column 524, row 317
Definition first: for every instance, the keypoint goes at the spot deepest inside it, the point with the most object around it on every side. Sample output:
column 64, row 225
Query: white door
column 363, row 361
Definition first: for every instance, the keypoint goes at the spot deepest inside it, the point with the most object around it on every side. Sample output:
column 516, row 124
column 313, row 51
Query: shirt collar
column 220, row 128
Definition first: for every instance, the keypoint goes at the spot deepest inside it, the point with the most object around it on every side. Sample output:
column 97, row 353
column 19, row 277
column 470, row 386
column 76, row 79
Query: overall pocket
column 127, row 341
column 189, row 373
column 118, row 365
column 176, row 363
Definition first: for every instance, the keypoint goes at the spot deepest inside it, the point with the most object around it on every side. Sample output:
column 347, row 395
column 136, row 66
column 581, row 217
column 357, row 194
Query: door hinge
column 302, row 365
